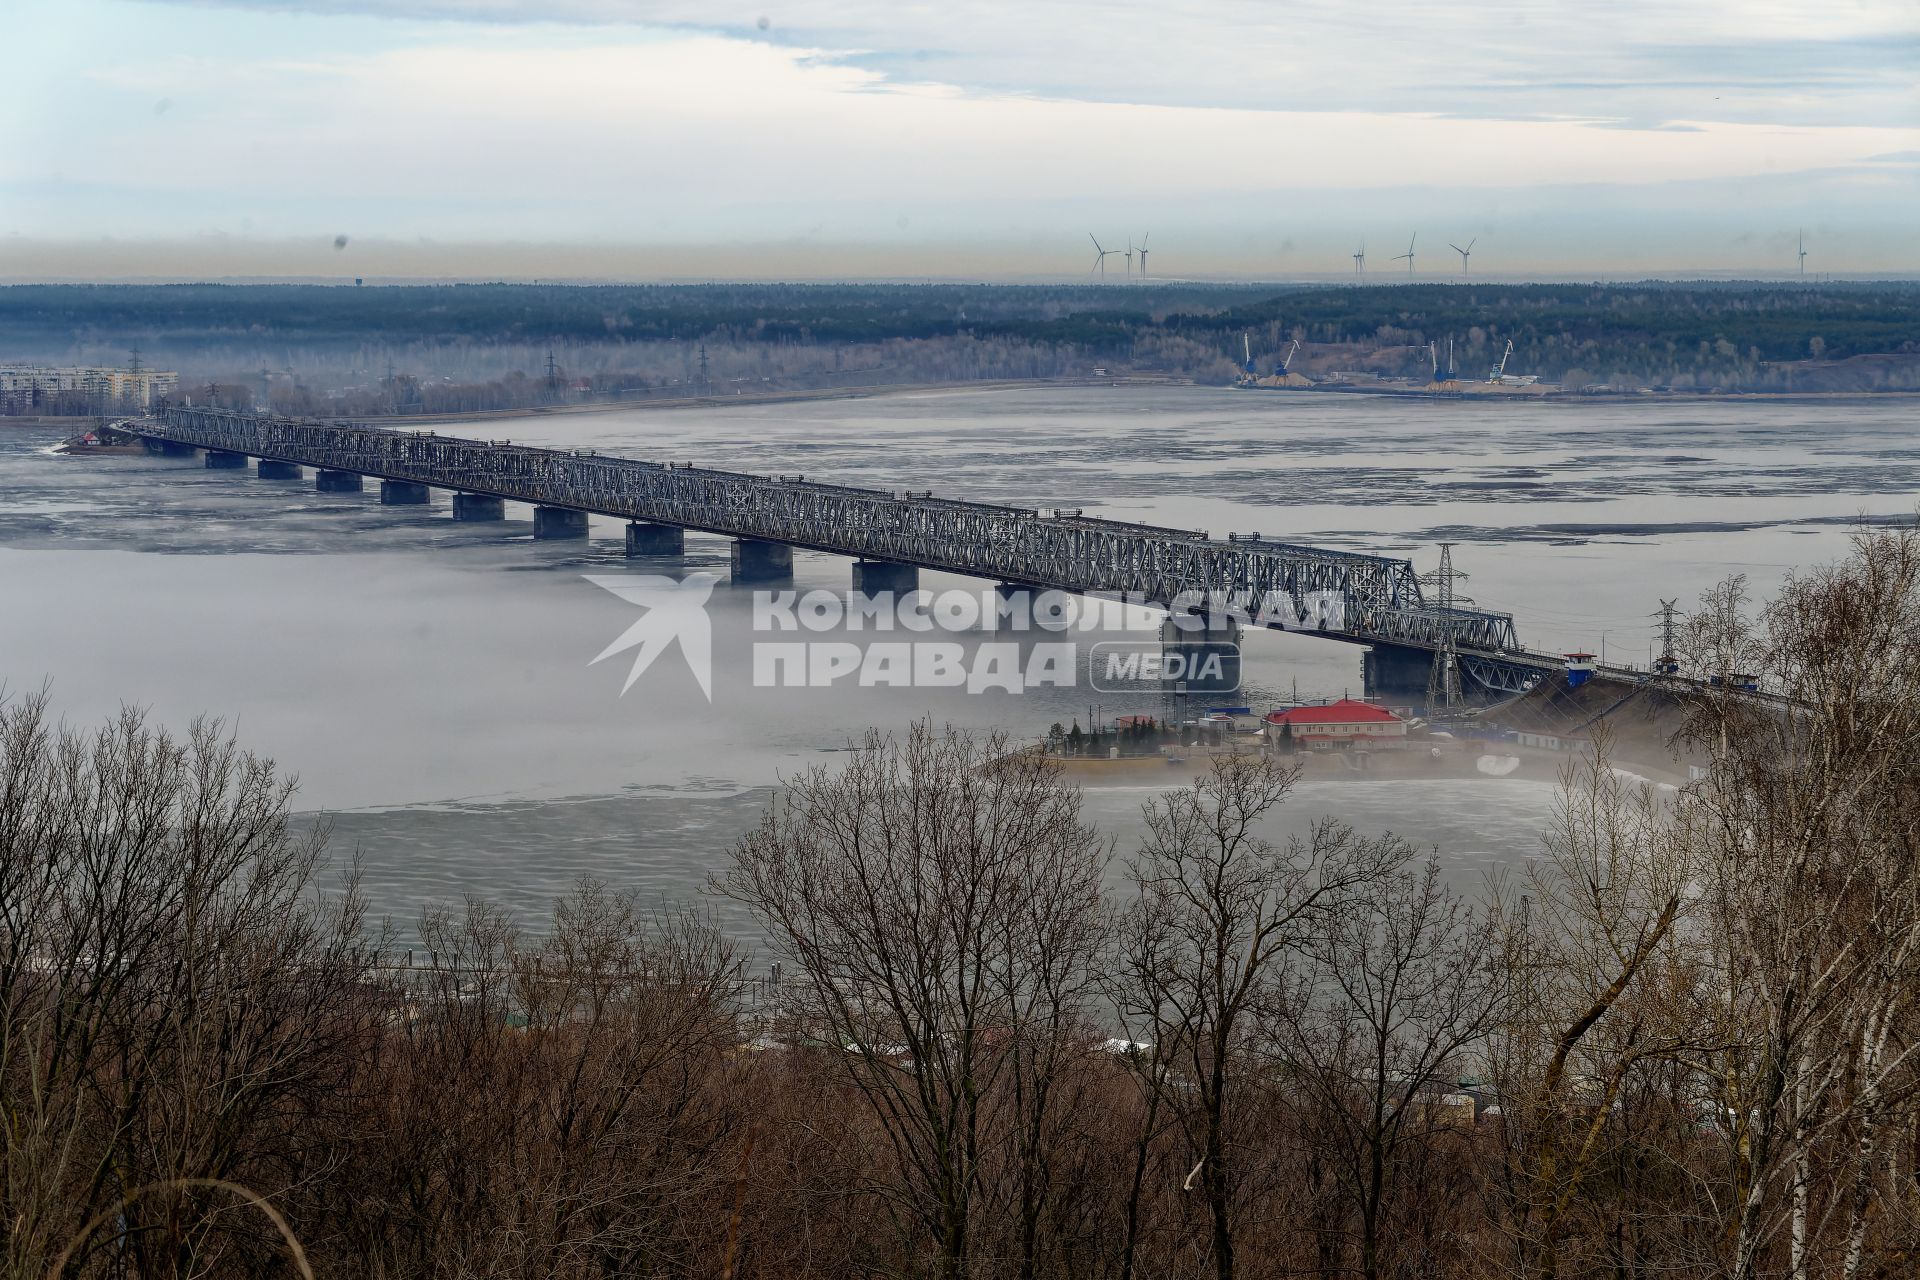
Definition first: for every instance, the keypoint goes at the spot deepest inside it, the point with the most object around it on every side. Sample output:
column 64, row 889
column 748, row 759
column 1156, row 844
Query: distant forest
column 431, row 347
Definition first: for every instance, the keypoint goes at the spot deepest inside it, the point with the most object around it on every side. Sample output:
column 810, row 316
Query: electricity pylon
column 1443, row 678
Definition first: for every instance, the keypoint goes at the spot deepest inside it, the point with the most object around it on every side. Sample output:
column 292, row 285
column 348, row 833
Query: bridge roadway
column 1022, row 547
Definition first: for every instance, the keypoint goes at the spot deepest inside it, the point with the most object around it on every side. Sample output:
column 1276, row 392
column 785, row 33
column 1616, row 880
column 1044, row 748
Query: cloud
column 907, row 129
column 668, row 134
column 1848, row 61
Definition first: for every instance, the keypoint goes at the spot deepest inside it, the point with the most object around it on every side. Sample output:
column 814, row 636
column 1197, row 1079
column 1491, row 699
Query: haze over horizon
column 600, row 139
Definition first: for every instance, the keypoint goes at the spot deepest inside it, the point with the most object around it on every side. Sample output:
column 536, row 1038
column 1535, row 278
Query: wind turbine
column 1803, row 252
column 1130, row 252
column 1360, row 260
column 1100, row 260
column 1143, row 255
column 1408, row 255
column 1465, row 253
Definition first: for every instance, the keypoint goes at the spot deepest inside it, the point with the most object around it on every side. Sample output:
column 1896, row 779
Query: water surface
column 430, row 681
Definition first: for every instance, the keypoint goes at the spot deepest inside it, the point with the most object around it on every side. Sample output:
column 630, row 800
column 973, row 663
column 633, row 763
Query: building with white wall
column 26, row 389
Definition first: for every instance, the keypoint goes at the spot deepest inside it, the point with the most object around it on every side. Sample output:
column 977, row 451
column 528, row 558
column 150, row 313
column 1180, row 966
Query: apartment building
column 27, row 389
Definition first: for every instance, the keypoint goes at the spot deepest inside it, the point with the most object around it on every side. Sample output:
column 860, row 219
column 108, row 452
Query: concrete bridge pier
column 1395, row 671
column 1201, row 629
column 478, row 506
column 221, row 460
column 1203, row 658
column 756, row 561
column 873, row 577
column 645, row 539
column 1026, row 608
column 403, row 493
column 558, row 524
column 1030, row 608
column 326, row 481
column 268, row 469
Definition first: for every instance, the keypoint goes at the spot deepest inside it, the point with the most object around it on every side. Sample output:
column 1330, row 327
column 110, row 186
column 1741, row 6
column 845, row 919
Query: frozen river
column 430, row 681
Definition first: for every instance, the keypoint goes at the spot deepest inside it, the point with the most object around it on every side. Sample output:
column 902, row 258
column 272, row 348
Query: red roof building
column 1342, row 723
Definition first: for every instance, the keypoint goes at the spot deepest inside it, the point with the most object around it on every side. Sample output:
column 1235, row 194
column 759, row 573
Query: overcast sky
column 629, row 139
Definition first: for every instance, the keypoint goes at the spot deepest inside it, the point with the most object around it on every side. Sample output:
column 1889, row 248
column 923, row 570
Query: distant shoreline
column 772, row 397
column 43, row 420
column 897, row 389
column 1014, row 384
column 1577, row 397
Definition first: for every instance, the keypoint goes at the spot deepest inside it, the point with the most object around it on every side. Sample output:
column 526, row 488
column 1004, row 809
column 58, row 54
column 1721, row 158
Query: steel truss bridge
column 1059, row 549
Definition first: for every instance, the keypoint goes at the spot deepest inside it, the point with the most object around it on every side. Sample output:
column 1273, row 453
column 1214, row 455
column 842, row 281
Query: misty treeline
column 1687, row 336
column 1678, row 1042
column 483, row 378
column 639, row 373
column 453, row 348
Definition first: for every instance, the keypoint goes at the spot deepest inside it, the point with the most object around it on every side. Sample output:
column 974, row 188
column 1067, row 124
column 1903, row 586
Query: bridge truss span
column 1379, row 597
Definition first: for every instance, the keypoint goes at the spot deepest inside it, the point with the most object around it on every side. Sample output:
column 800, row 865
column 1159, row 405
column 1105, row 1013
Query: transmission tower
column 1443, row 678
column 704, row 385
column 134, row 391
column 553, row 372
column 1667, row 664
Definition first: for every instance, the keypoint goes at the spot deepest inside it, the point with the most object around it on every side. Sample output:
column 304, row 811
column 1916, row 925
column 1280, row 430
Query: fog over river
column 430, row 682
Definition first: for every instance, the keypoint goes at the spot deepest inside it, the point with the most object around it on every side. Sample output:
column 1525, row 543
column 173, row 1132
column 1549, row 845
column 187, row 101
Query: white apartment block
column 28, row 389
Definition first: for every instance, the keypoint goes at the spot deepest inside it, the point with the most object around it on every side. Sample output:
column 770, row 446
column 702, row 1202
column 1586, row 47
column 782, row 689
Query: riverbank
column 880, row 391
column 1560, row 395
column 74, row 424
column 876, row 391
column 1529, row 397
column 1421, row 760
column 1532, row 736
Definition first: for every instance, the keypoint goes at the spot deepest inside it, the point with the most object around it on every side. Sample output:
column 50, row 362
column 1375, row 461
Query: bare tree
column 1220, row 913
column 177, row 1010
column 1375, row 1029
column 553, row 1104
column 940, row 896
column 1812, row 809
column 628, row 1012
column 1601, row 959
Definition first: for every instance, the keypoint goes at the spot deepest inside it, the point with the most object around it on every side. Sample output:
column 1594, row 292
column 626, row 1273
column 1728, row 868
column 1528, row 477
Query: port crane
column 1498, row 374
column 1499, row 371
column 1248, row 368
